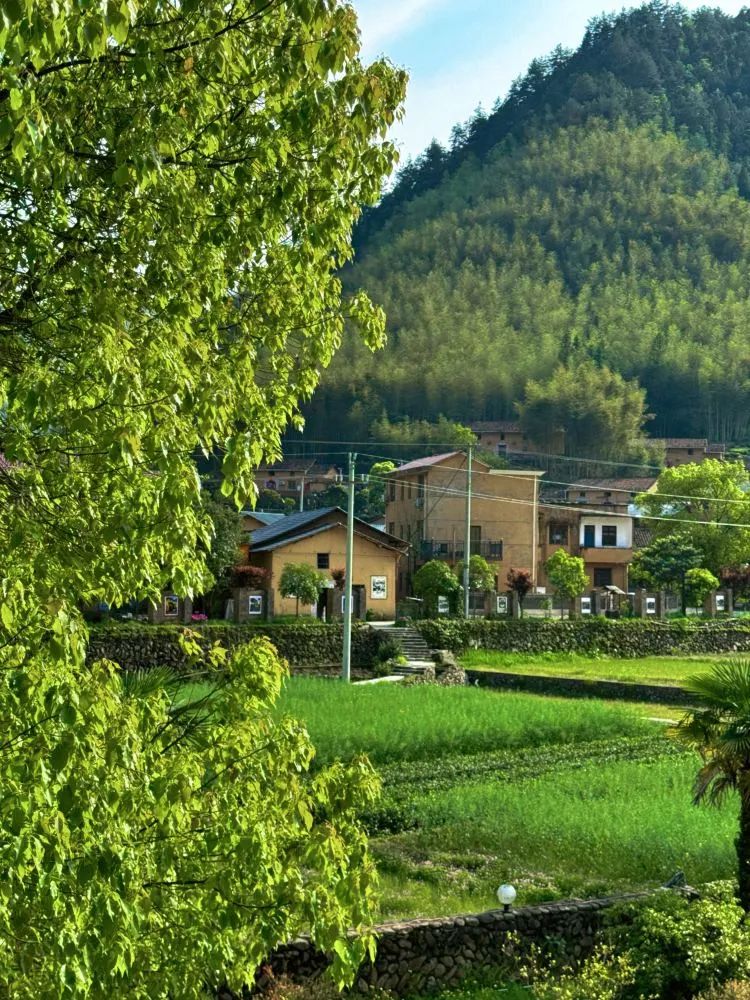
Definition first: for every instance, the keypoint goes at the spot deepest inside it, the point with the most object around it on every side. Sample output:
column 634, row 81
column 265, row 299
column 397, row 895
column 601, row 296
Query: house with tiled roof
column 318, row 538
column 505, row 437
column 682, row 451
column 426, row 507
column 617, row 493
column 294, row 476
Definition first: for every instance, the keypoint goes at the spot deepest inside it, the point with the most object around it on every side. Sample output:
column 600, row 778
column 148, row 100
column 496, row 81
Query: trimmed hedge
column 136, row 645
column 619, row 637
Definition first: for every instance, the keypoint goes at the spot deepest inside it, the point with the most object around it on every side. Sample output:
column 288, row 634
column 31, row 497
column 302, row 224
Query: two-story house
column 603, row 539
column 426, row 506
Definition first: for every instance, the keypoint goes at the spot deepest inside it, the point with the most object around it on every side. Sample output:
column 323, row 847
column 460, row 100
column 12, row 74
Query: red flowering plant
column 250, row 576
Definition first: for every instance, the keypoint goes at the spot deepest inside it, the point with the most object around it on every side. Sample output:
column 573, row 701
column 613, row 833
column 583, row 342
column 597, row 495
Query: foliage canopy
column 179, row 184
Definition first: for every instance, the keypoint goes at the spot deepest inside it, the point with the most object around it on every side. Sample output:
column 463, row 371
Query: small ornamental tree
column 481, row 576
column 567, row 574
column 301, row 581
column 738, row 578
column 698, row 585
column 520, row 581
column 436, row 579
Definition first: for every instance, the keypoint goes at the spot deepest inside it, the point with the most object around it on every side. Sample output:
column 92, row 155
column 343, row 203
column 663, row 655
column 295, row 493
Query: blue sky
column 461, row 53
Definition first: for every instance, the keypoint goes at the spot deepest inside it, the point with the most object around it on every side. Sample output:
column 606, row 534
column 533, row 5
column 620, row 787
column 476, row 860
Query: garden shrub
column 680, row 947
column 592, row 636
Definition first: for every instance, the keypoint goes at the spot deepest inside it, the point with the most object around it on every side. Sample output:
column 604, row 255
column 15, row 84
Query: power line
column 457, row 446
column 447, row 491
column 508, row 474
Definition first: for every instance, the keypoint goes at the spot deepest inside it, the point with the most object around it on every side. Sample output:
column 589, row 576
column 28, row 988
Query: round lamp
column 506, row 894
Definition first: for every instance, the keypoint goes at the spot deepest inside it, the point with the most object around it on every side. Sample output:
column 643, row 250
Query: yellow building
column 426, row 507
column 318, row 538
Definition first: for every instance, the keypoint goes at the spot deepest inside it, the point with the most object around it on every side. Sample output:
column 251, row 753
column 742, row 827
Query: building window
column 558, row 534
column 291, row 484
column 324, row 560
column 589, row 536
column 495, row 550
column 392, row 491
column 443, row 548
column 420, row 486
column 475, row 535
column 690, row 451
column 502, row 437
column 403, row 490
column 603, row 576
column 609, row 534
column 391, row 527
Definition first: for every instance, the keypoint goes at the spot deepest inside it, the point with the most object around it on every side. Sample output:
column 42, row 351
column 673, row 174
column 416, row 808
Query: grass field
column 390, row 722
column 579, row 831
column 561, row 797
column 671, row 670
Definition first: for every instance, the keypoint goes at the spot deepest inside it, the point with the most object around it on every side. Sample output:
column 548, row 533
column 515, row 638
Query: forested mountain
column 599, row 212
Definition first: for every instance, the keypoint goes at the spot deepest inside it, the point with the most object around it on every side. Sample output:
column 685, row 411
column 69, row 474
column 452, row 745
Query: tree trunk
column 297, row 608
column 742, row 843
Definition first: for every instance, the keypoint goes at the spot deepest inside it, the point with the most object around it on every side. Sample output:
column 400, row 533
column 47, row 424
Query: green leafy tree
column 567, row 574
column 598, row 412
column 416, row 438
column 226, row 535
column 436, row 579
column 303, row 582
column 718, row 731
column 667, row 561
column 520, row 581
column 707, row 503
column 698, row 585
column 481, row 575
column 272, row 500
column 179, row 187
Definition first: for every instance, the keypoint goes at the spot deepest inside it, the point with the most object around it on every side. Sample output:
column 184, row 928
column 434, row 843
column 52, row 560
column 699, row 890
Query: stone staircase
column 418, row 654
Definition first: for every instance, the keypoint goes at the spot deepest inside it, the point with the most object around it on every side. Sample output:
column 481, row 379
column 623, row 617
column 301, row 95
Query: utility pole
column 347, row 659
column 467, row 545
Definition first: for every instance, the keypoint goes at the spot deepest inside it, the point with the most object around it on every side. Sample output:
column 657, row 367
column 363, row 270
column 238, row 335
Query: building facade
column 318, row 538
column 505, row 437
column 683, row 451
column 603, row 540
column 295, row 477
column 426, row 508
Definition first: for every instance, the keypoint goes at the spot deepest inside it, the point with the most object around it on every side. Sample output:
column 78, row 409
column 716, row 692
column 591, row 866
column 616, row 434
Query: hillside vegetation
column 572, row 223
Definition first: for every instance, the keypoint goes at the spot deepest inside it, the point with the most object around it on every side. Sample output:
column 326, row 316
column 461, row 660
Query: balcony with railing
column 453, row 551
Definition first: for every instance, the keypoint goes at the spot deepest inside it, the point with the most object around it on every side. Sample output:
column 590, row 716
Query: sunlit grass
column 670, row 670
column 583, row 831
column 391, row 722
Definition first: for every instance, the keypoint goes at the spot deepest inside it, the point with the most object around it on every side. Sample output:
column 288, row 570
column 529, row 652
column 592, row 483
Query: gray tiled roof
column 290, row 524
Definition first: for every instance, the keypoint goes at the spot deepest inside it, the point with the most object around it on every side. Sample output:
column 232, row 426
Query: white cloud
column 384, row 20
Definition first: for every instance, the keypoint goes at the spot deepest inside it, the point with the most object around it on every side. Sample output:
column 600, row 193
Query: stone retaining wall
column 573, row 687
column 419, row 955
column 313, row 648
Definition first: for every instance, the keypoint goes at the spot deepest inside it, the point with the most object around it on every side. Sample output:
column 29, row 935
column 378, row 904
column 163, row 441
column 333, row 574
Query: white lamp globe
column 506, row 894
